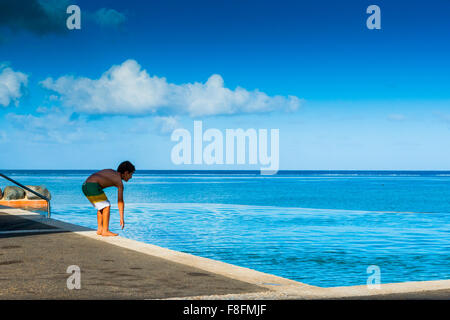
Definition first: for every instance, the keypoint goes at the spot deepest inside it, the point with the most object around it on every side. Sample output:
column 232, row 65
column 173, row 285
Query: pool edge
column 278, row 287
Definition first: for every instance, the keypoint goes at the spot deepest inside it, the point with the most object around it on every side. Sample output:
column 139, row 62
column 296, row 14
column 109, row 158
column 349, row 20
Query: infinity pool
column 323, row 247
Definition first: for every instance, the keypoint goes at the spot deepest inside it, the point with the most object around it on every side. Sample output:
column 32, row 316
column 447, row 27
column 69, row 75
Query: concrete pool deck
column 35, row 253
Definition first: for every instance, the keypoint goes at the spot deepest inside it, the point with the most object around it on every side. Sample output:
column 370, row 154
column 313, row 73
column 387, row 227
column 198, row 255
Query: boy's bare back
column 106, row 178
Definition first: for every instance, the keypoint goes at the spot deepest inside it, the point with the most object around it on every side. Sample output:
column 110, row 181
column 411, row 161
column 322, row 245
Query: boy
column 93, row 190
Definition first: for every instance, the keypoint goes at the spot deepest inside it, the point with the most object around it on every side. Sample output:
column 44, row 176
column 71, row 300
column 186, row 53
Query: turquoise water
column 320, row 228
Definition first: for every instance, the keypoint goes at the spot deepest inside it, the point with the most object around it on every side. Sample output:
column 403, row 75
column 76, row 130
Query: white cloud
column 165, row 125
column 109, row 17
column 3, row 137
column 11, row 85
column 396, row 117
column 53, row 126
column 128, row 89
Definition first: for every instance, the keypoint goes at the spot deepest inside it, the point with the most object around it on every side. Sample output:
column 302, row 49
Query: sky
column 343, row 96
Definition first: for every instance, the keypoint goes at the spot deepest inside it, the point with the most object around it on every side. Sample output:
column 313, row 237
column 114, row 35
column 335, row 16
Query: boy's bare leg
column 99, row 222
column 105, row 228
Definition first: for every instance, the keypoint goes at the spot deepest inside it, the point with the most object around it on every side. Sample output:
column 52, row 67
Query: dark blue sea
column 323, row 228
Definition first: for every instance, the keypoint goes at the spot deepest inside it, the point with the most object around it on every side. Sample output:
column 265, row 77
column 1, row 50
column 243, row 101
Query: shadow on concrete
column 15, row 225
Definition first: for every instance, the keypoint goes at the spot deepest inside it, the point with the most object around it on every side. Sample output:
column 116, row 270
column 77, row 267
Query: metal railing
column 32, row 191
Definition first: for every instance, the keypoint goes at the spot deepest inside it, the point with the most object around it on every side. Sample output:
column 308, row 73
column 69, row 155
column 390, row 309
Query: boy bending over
column 93, row 190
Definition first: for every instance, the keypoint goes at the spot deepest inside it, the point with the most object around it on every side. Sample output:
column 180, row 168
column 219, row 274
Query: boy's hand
column 122, row 223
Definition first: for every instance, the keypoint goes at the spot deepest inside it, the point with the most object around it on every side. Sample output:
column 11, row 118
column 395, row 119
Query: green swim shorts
column 94, row 192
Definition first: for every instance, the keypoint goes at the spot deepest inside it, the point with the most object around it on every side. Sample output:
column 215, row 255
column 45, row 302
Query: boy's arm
column 121, row 204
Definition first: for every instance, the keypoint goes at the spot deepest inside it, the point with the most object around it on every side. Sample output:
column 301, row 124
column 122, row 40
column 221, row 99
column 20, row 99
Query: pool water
column 320, row 228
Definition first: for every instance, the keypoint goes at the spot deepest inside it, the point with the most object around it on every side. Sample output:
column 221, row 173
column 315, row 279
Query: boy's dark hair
column 126, row 166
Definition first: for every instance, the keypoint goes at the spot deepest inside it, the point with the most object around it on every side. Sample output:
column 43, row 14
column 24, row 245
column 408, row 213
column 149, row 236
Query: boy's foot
column 99, row 231
column 109, row 234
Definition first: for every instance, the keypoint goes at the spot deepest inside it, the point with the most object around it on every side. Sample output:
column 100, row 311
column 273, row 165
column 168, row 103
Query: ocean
column 323, row 228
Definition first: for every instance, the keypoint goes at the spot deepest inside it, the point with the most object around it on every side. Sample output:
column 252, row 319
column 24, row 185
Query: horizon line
column 252, row 170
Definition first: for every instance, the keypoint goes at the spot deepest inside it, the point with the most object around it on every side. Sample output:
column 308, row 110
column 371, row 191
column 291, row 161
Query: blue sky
column 343, row 96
